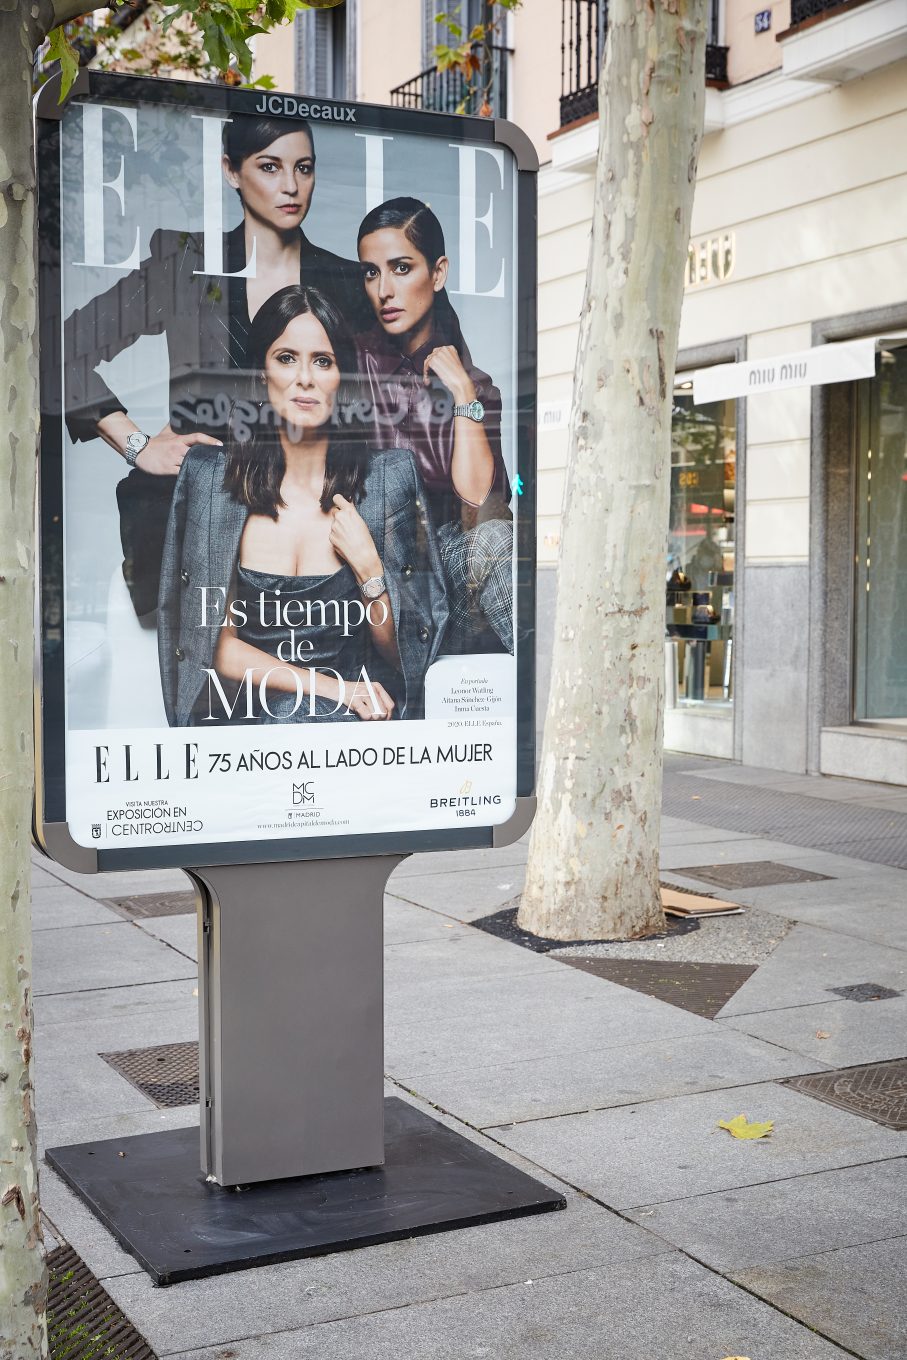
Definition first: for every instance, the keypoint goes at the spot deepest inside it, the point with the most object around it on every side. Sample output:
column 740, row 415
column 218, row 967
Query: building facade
column 786, row 570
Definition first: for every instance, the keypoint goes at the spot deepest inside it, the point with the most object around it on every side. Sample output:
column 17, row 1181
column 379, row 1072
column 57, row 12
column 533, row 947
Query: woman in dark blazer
column 301, row 576
column 206, row 319
column 428, row 396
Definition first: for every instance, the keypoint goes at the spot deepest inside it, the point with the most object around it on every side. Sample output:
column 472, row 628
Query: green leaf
column 62, row 50
column 741, row 1128
column 261, row 83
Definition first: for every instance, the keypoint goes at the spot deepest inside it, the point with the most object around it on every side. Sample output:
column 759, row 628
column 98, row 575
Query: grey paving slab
column 834, row 790
column 590, row 1079
column 667, row 1308
column 458, row 956
column 493, row 1020
column 807, row 962
column 179, row 932
column 672, row 1149
column 389, row 1276
column 61, row 905
column 65, row 1089
column 871, row 1031
column 695, row 833
column 80, row 958
column 761, row 1225
column 72, row 1081
column 734, row 774
column 73, row 1009
column 40, row 878
column 121, row 884
column 868, row 908
column 465, row 895
column 77, row 1225
column 405, row 923
column 125, row 1123
column 855, row 1295
column 675, row 857
column 890, row 802
column 453, row 861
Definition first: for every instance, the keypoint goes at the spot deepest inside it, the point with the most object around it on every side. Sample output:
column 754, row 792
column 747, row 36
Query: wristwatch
column 135, row 442
column 373, row 587
column 473, row 410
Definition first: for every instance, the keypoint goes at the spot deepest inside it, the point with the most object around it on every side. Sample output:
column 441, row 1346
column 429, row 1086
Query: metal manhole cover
column 878, row 1091
column 762, row 873
column 83, row 1322
column 703, row 988
column 143, row 905
column 865, row 991
column 167, row 1074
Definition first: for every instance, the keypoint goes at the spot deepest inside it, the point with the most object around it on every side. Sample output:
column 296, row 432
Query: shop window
column 880, row 604
column 700, row 567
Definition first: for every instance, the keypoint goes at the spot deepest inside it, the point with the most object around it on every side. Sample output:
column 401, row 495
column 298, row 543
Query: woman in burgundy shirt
column 428, row 396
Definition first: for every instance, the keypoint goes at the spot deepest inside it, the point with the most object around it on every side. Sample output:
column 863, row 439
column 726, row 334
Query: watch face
column 136, row 442
column 476, row 410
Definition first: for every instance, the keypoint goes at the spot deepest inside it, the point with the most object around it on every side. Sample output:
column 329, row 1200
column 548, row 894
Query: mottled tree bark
column 593, row 860
column 23, row 1279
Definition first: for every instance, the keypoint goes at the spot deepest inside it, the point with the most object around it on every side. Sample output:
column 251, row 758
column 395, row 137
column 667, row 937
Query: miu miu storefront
column 786, row 570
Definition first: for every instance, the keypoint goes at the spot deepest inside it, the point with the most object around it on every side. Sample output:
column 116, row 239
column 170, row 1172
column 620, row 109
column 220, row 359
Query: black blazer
column 204, row 317
column 202, row 548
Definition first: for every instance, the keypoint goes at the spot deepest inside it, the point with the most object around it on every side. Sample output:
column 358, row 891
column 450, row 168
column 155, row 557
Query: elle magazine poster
column 286, row 394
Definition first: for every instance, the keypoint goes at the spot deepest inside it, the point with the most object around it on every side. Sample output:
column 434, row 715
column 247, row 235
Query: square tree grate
column 143, row 905
column 760, row 873
column 878, row 1091
column 167, row 1074
column 703, row 988
column 83, row 1322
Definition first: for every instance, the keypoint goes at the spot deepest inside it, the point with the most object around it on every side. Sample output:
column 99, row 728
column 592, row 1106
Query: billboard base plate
column 148, row 1191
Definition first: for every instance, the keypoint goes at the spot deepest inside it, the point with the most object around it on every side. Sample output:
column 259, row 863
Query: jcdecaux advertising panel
column 286, row 475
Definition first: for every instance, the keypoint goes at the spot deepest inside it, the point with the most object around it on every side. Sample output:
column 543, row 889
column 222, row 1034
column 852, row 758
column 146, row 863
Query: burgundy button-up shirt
column 409, row 414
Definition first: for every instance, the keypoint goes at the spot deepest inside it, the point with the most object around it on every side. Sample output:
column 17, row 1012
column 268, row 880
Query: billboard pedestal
column 295, row 1156
column 291, row 1012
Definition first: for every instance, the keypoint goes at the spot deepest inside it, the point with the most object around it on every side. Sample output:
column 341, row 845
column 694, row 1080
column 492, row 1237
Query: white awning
column 841, row 362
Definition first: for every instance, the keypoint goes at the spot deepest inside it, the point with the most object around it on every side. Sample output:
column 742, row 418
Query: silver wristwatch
column 135, row 442
column 373, row 587
column 473, row 410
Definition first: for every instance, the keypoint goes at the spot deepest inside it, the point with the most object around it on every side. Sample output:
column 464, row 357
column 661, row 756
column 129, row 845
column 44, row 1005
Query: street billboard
column 287, row 476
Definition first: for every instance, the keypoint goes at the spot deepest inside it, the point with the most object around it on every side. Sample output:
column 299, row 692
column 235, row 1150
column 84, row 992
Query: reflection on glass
column 700, row 567
column 880, row 673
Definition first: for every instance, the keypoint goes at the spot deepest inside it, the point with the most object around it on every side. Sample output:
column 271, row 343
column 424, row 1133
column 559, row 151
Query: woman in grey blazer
column 301, row 577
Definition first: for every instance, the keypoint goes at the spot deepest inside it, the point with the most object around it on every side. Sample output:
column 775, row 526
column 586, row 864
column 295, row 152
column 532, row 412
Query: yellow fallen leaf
column 822, row 1034
column 736, row 1357
column 741, row 1128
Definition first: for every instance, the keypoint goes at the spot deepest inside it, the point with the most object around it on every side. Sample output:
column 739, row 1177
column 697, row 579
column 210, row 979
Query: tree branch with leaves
column 472, row 55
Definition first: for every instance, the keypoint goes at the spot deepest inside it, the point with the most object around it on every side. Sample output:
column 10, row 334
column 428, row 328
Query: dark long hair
column 245, row 135
column 256, row 464
column 424, row 232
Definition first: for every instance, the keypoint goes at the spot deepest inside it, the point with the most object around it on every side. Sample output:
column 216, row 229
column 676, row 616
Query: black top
column 323, row 642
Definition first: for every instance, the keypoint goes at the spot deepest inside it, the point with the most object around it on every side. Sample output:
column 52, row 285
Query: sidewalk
column 678, row 1242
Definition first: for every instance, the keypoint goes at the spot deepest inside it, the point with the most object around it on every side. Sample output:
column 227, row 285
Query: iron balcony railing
column 801, row 10
column 450, row 92
column 584, row 25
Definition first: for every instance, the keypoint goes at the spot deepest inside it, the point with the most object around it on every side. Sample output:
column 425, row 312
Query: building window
column 701, row 556
column 325, row 52
column 880, row 604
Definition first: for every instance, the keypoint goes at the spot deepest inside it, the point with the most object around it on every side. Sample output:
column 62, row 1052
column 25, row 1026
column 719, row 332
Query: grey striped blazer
column 202, row 549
